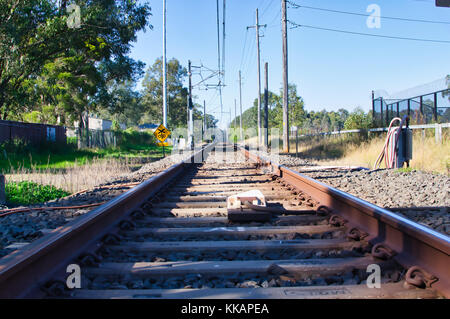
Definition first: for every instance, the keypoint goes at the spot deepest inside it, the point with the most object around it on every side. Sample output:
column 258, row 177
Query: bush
column 358, row 120
column 131, row 137
column 28, row 193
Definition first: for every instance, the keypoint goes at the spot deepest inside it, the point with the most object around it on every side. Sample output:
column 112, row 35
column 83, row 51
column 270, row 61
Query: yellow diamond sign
column 161, row 133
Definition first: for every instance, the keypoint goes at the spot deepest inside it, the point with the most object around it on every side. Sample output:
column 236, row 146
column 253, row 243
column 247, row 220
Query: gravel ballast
column 398, row 191
column 27, row 227
column 419, row 196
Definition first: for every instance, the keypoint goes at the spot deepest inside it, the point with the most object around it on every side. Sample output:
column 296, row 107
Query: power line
column 297, row 6
column 268, row 6
column 295, row 25
column 243, row 50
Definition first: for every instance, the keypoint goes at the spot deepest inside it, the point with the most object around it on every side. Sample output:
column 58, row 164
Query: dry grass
column 427, row 154
column 352, row 150
column 75, row 178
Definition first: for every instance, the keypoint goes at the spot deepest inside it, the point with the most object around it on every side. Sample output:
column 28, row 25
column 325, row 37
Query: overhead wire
column 297, row 6
column 295, row 25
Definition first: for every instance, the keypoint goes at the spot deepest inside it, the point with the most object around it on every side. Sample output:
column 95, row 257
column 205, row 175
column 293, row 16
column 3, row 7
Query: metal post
column 435, row 107
column 373, row 107
column 235, row 114
column 190, row 104
column 204, row 120
column 240, row 103
column 259, row 78
column 421, row 111
column 285, row 80
column 164, row 67
column 266, row 106
column 296, row 142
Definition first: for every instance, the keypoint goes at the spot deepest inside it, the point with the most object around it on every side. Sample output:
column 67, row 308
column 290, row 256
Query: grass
column 66, row 156
column 71, row 170
column 74, row 178
column 356, row 150
column 28, row 193
column 352, row 150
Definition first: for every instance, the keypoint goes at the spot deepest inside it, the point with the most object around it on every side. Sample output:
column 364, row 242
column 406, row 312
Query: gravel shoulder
column 22, row 228
column 419, row 196
column 386, row 188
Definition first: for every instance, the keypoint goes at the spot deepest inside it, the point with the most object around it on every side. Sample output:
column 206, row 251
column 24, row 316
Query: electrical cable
column 390, row 148
column 297, row 6
column 295, row 25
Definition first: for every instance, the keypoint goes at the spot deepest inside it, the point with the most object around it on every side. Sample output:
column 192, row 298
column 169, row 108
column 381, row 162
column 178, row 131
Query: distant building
column 148, row 126
column 101, row 124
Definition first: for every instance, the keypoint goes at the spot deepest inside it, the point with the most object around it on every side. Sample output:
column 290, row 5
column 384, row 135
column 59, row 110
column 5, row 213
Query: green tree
column 358, row 119
column 34, row 34
column 124, row 104
column 152, row 99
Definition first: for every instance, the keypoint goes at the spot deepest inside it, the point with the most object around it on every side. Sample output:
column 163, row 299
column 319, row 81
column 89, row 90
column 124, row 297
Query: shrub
column 27, row 193
column 131, row 137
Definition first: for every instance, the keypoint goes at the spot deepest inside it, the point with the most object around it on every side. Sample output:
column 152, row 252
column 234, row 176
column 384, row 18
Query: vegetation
column 130, row 144
column 358, row 149
column 307, row 122
column 55, row 70
column 28, row 193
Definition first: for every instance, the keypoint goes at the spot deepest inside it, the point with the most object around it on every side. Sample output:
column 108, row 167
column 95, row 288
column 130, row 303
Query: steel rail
column 24, row 272
column 414, row 244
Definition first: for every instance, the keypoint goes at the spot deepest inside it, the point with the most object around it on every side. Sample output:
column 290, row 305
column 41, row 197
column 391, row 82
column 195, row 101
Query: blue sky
column 331, row 70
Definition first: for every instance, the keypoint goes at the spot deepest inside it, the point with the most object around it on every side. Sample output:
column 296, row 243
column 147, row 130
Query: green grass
column 405, row 170
column 28, row 193
column 14, row 157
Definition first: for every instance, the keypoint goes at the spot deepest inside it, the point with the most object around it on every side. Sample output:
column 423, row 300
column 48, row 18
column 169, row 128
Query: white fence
column 436, row 127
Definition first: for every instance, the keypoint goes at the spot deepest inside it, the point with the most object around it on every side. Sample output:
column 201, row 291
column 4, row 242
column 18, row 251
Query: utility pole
column 190, row 109
column 164, row 67
column 266, row 106
column 235, row 114
column 205, row 125
column 285, row 79
column 223, row 43
column 240, row 103
column 257, row 26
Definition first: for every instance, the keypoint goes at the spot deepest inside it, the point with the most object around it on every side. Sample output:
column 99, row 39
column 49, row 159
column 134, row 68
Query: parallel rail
column 413, row 244
column 25, row 272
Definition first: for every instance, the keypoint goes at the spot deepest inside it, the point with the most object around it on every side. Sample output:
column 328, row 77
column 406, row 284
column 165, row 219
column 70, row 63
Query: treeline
column 307, row 122
column 61, row 61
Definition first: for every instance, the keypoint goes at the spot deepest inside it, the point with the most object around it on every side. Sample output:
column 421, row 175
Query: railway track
column 170, row 238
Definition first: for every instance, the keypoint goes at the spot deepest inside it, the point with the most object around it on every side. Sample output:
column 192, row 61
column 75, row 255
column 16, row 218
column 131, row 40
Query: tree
column 358, row 119
column 35, row 34
column 124, row 104
column 152, row 99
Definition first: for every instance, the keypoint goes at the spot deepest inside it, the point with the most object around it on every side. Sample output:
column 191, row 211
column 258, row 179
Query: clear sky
column 331, row 70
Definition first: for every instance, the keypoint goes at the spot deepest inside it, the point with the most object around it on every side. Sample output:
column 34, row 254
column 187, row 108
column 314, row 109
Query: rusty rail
column 425, row 252
column 24, row 272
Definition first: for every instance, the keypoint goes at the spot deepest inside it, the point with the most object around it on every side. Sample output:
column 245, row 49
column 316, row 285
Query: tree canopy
column 307, row 122
column 152, row 101
column 45, row 60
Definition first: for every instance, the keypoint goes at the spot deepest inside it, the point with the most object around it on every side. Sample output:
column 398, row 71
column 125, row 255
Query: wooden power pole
column 190, row 110
column 266, row 106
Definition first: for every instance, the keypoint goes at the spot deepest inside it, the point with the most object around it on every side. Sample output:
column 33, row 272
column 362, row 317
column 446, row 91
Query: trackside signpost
column 162, row 133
